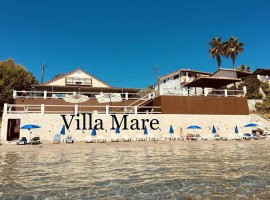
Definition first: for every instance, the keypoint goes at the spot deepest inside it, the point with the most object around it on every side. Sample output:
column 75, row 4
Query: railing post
column 184, row 91
column 205, row 92
column 5, row 108
column 14, row 94
column 42, row 110
column 45, row 94
column 226, row 92
column 126, row 95
column 107, row 109
column 74, row 93
column 76, row 109
column 245, row 90
column 135, row 110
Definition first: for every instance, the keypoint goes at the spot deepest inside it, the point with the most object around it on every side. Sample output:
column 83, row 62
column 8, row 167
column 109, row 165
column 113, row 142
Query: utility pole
column 42, row 73
column 156, row 69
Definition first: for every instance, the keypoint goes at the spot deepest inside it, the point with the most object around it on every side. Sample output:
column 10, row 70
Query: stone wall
column 252, row 103
column 51, row 124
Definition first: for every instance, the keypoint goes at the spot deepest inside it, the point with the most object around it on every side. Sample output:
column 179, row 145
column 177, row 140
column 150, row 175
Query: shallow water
column 209, row 171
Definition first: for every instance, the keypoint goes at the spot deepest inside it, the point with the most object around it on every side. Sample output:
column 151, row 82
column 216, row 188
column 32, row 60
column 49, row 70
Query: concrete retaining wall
column 51, row 124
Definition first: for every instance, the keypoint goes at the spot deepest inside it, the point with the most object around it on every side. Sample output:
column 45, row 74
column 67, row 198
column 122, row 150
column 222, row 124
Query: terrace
column 48, row 102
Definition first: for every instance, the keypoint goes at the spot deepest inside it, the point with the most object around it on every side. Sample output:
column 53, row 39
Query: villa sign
column 125, row 123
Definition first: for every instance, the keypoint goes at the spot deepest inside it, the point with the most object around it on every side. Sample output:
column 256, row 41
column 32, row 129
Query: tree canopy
column 230, row 48
column 13, row 77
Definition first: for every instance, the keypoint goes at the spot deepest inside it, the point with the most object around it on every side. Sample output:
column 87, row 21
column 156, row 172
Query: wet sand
column 81, row 146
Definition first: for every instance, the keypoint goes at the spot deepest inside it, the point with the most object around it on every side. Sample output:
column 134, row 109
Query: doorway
column 13, row 131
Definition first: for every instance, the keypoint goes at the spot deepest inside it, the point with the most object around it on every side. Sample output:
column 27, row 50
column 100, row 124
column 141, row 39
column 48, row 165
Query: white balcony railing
column 78, row 109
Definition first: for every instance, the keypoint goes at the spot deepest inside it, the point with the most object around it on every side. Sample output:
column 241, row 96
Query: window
column 164, row 81
column 176, row 77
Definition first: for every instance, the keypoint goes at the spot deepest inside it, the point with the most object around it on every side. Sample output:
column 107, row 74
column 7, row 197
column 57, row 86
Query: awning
column 211, row 82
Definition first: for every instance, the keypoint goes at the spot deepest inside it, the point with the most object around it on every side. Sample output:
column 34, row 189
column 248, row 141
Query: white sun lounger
column 90, row 139
column 125, row 138
column 141, row 137
column 101, row 139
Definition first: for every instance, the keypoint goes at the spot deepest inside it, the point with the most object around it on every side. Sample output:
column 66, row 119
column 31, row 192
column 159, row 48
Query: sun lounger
column 247, row 136
column 115, row 138
column 152, row 137
column 90, row 139
column 57, row 139
column 22, row 141
column 35, row 140
column 140, row 138
column 196, row 137
column 69, row 139
column 125, row 138
column 101, row 139
column 217, row 137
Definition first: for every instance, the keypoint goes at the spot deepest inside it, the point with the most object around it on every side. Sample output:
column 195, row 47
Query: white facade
column 173, row 83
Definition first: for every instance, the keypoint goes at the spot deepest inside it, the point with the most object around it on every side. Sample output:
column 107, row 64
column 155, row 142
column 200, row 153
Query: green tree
column 253, row 88
column 232, row 48
column 13, row 77
column 216, row 50
column 243, row 68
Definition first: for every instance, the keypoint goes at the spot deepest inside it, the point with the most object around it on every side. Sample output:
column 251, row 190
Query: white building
column 173, row 83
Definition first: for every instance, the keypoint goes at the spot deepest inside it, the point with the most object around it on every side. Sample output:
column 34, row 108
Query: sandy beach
column 126, row 145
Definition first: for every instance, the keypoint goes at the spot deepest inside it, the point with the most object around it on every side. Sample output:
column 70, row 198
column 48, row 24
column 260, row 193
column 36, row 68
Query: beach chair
column 141, row 138
column 35, row 140
column 115, row 138
column 22, row 141
column 89, row 139
column 126, row 138
column 152, row 137
column 196, row 137
column 217, row 137
column 69, row 139
column 247, row 136
column 101, row 139
column 57, row 139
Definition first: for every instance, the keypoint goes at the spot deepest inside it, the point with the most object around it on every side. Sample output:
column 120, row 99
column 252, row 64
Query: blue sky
column 121, row 41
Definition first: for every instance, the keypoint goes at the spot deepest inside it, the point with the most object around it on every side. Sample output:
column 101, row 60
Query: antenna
column 156, row 69
column 42, row 73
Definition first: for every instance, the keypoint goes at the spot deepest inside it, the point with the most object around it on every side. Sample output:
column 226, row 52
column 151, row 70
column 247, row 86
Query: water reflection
column 193, row 172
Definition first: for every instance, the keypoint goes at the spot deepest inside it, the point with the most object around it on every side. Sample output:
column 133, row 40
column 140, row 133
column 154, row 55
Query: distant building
column 173, row 83
column 262, row 74
column 79, row 81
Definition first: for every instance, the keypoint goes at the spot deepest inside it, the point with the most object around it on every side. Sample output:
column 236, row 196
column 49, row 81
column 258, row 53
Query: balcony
column 78, row 81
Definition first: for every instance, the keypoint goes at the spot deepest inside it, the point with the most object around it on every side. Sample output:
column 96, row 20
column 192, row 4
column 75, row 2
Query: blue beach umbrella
column 214, row 130
column 63, row 130
column 117, row 131
column 29, row 127
column 251, row 125
column 145, row 132
column 171, row 130
column 94, row 132
column 194, row 127
column 236, row 130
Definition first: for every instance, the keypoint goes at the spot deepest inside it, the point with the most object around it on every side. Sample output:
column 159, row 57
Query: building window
column 176, row 77
column 164, row 81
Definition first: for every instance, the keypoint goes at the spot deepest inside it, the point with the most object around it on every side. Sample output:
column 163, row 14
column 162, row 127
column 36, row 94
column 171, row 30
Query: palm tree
column 216, row 50
column 232, row 48
column 244, row 68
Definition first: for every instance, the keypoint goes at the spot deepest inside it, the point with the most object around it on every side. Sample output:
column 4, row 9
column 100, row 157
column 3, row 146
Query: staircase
column 129, row 109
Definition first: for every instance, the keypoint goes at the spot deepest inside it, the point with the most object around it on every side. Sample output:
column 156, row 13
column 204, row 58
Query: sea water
column 209, row 171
